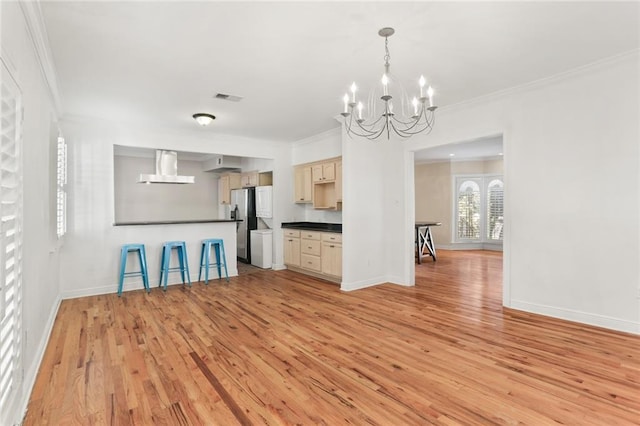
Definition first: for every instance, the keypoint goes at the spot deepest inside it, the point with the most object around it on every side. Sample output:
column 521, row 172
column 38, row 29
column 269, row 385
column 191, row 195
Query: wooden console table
column 424, row 240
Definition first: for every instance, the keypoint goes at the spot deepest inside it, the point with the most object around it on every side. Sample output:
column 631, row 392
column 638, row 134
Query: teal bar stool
column 165, row 263
column 139, row 248
column 205, row 258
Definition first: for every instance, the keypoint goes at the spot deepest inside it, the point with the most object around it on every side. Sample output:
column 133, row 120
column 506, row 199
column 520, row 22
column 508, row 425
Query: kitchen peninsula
column 153, row 234
column 314, row 248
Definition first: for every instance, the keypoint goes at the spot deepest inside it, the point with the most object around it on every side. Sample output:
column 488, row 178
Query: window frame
column 483, row 180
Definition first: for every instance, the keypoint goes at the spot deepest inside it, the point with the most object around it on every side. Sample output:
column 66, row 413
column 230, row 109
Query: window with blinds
column 61, row 196
column 468, row 210
column 479, row 208
column 10, row 240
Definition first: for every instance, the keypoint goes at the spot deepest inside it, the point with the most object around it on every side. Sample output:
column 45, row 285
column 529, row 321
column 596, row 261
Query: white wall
column 572, row 191
column 40, row 282
column 135, row 202
column 91, row 202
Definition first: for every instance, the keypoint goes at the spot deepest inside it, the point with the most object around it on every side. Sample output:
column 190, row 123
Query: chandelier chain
column 387, row 56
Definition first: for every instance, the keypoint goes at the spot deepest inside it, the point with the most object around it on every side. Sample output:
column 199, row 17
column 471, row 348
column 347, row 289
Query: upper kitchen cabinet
column 320, row 183
column 339, row 181
column 226, row 183
column 303, row 184
column 256, row 178
column 324, row 172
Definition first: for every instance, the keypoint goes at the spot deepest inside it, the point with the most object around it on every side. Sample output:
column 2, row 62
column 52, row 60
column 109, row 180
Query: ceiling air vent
column 226, row 97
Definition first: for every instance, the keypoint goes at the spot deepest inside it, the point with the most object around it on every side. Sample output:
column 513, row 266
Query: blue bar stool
column 139, row 248
column 205, row 256
column 165, row 268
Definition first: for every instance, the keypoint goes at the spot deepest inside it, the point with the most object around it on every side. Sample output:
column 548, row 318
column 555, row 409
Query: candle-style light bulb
column 360, row 106
column 415, row 105
column 430, row 94
column 346, row 102
column 353, row 91
column 422, row 82
column 385, row 83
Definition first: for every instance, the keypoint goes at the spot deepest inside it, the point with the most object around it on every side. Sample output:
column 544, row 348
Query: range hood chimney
column 166, row 170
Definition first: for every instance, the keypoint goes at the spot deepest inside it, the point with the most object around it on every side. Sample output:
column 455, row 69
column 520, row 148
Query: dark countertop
column 314, row 226
column 172, row 222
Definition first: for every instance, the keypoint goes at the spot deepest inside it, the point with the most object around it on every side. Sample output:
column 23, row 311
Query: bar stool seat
column 165, row 263
column 205, row 258
column 142, row 256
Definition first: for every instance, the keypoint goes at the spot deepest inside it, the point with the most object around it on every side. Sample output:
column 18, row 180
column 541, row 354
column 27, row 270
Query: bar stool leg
column 201, row 260
column 184, row 264
column 143, row 266
column 123, row 265
column 224, row 259
column 216, row 247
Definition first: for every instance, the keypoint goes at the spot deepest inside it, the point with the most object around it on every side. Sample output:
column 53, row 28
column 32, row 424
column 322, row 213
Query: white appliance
column 264, row 201
column 262, row 248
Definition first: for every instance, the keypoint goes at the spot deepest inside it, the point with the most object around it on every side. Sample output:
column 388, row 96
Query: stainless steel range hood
column 166, row 170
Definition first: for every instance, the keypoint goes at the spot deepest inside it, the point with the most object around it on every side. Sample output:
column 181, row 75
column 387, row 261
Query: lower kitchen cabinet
column 314, row 253
column 331, row 255
column 291, row 247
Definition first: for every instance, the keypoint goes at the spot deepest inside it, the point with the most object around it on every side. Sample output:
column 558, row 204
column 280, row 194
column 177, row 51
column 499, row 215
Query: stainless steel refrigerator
column 245, row 200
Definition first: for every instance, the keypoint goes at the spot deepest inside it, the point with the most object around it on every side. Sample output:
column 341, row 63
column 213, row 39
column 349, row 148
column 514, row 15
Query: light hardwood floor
column 283, row 348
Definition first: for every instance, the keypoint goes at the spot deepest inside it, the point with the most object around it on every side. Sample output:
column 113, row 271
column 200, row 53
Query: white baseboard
column 32, row 373
column 362, row 284
column 136, row 284
column 278, row 267
column 578, row 316
column 469, row 246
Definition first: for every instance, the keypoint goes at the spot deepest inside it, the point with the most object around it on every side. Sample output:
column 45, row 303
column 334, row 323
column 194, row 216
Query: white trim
column 362, row 284
column 38, row 34
column 469, row 246
column 540, row 83
column 278, row 267
column 335, row 131
column 578, row 316
column 30, row 378
column 137, row 284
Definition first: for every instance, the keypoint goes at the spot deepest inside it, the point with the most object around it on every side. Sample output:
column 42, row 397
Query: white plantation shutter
column 495, row 209
column 10, row 240
column 468, row 209
column 61, row 197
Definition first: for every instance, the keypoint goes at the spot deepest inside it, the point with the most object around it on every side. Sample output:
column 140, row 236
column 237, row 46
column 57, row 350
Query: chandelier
column 412, row 117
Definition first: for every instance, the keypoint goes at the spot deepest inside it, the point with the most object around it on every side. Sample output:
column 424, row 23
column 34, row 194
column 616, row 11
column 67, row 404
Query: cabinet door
column 332, row 259
column 329, row 171
column 292, row 251
column 316, row 173
column 253, row 179
column 225, row 191
column 339, row 181
column 302, row 188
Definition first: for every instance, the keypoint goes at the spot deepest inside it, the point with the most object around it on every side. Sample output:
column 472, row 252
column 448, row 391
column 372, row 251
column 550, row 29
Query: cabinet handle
column 290, row 241
column 332, row 246
column 308, row 247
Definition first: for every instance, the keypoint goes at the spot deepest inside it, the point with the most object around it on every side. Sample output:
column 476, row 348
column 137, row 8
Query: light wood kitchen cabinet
column 318, row 253
column 319, row 183
column 310, row 250
column 291, row 247
column 303, row 187
column 249, row 179
column 339, row 181
column 324, row 172
column 331, row 254
column 226, row 183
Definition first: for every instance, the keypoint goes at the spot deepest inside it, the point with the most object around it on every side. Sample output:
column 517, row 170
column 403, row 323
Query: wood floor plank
column 278, row 348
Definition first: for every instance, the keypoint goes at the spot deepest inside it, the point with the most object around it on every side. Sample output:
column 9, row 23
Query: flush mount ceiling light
column 204, row 119
column 405, row 118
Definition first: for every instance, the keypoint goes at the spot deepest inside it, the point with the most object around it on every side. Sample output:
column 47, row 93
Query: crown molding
column 633, row 54
column 333, row 132
column 38, row 34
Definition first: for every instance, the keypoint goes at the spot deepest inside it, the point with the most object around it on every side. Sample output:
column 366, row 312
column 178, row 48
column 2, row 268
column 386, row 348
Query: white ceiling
column 157, row 63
